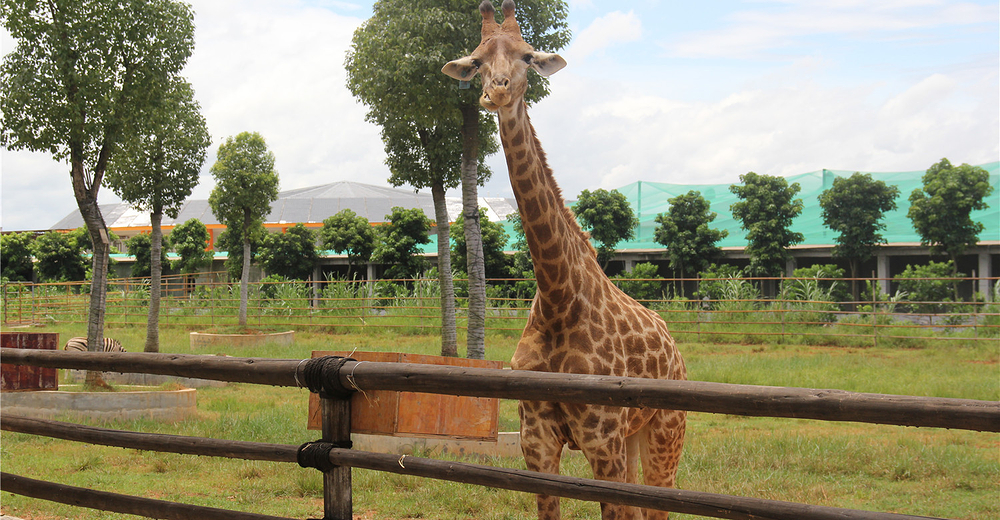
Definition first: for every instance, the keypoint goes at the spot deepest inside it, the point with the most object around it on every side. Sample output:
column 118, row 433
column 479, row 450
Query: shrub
column 713, row 281
column 826, row 276
column 928, row 286
column 641, row 283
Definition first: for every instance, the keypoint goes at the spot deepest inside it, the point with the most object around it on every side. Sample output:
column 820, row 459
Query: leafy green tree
column 190, row 241
column 291, row 254
column 928, row 285
column 141, row 248
column 434, row 132
column 494, row 244
column 347, row 233
column 642, row 282
column 156, row 169
column 81, row 237
column 404, row 231
column 766, row 209
column 59, row 258
column 521, row 265
column 941, row 211
column 853, row 207
column 80, row 74
column 232, row 244
column 246, row 185
column 683, row 230
column 609, row 219
column 15, row 257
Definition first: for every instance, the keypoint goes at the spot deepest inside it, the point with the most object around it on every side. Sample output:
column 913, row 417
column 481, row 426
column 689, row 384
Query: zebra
column 79, row 343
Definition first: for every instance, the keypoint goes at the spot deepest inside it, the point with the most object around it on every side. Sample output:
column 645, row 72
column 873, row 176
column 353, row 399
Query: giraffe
column 579, row 322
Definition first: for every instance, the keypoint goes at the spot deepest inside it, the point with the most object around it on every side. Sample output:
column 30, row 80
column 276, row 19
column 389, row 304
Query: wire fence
column 722, row 310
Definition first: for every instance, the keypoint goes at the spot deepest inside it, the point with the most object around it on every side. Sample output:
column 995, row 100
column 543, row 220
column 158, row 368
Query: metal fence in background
column 725, row 310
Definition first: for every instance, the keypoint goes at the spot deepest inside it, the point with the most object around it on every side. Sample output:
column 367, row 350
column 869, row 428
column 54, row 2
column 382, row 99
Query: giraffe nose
column 501, row 82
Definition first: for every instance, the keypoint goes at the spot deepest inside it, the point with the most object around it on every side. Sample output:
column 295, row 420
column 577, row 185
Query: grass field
column 933, row 472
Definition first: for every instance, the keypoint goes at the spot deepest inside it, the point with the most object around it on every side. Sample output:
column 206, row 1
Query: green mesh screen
column 649, row 199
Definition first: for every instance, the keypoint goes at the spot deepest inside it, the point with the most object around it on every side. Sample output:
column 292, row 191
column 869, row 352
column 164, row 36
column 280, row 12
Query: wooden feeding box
column 413, row 414
column 26, row 377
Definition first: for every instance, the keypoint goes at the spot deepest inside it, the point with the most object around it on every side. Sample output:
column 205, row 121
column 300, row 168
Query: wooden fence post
column 337, row 500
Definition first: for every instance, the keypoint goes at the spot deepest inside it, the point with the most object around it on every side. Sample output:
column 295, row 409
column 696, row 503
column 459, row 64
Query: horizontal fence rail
column 675, row 500
column 118, row 503
column 724, row 398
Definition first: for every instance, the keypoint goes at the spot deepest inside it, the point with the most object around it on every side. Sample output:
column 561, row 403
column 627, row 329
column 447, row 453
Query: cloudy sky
column 660, row 91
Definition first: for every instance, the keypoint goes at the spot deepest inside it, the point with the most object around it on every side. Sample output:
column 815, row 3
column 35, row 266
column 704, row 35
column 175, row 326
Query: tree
column 642, row 282
column 291, row 254
column 141, row 248
column 347, row 233
column 80, row 74
column 609, row 219
column 59, row 258
column 941, row 211
column 232, row 244
column 521, row 265
column 190, row 241
column 394, row 68
column 683, row 230
column 246, row 185
column 853, row 208
column 156, row 171
column 494, row 243
column 766, row 209
column 404, row 231
column 15, row 257
column 927, row 285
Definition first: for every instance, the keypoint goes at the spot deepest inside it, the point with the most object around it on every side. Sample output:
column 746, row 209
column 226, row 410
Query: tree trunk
column 855, row 288
column 155, row 275
column 449, row 334
column 86, row 200
column 954, row 273
column 245, row 276
column 473, row 233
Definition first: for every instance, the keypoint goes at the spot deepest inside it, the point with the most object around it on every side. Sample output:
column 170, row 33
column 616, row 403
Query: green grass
column 933, row 472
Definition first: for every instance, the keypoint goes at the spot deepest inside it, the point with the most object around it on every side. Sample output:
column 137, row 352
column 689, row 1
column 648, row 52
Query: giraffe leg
column 599, row 432
column 542, row 445
column 660, row 443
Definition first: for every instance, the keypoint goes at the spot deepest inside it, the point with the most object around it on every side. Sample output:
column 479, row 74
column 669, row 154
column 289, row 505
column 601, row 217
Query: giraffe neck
column 559, row 248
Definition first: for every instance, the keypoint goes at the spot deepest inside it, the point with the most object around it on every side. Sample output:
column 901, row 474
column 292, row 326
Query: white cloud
column 606, row 31
column 281, row 73
column 780, row 130
column 751, row 32
column 276, row 68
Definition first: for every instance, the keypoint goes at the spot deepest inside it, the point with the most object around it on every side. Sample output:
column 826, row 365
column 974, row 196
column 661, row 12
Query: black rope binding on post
column 317, row 454
column 322, row 376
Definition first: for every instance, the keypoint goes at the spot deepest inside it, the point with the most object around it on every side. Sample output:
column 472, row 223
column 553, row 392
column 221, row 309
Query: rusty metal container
column 24, row 377
column 412, row 414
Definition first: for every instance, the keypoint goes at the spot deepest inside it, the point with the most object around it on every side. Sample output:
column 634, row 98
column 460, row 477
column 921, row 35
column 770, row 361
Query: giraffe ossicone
column 579, row 322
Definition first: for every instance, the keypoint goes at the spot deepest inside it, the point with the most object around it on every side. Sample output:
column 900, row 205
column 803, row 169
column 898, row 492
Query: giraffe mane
column 551, row 180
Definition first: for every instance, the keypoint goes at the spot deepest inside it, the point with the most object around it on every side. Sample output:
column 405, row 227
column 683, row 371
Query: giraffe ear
column 547, row 64
column 462, row 69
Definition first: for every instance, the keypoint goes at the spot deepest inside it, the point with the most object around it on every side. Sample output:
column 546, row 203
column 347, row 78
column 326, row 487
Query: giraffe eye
column 477, row 63
column 527, row 59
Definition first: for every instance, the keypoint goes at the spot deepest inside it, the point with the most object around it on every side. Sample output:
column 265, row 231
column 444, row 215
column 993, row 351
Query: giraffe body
column 579, row 322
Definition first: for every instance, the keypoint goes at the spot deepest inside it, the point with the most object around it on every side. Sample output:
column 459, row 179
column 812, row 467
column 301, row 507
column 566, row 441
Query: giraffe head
column 503, row 58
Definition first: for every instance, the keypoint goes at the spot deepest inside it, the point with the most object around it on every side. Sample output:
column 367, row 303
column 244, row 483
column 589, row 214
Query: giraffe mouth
column 487, row 102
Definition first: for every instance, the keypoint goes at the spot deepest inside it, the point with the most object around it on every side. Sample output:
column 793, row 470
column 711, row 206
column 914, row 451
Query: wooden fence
column 336, row 378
